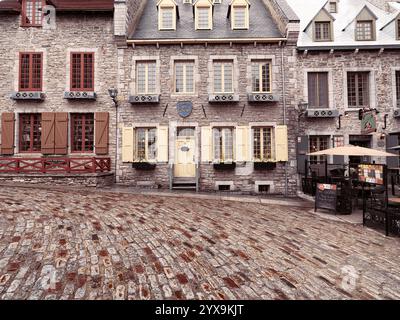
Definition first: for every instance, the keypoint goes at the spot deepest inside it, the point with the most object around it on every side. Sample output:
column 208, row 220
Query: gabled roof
column 325, row 11
column 394, row 16
column 364, row 8
column 343, row 26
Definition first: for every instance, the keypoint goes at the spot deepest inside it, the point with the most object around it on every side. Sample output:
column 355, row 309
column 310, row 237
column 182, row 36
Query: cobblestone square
column 105, row 245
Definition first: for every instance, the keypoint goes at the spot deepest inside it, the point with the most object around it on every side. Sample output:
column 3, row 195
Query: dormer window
column 32, row 13
column 167, row 15
column 365, row 30
column 323, row 31
column 203, row 15
column 239, row 13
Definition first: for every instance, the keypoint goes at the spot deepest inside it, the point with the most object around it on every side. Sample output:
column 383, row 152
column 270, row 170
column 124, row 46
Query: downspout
column 284, row 110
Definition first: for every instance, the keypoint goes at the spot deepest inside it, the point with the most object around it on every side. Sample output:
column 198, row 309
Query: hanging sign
column 368, row 122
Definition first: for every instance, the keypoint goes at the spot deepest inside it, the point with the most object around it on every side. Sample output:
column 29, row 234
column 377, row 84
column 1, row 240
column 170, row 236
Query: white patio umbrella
column 351, row 150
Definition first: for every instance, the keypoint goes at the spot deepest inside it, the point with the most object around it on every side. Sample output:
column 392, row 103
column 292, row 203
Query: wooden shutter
column 302, row 150
column 392, row 140
column 7, row 133
column 323, row 90
column 101, row 132
column 162, row 144
column 127, row 144
column 48, row 127
column 206, row 143
column 281, row 143
column 242, row 144
column 312, row 89
column 61, row 133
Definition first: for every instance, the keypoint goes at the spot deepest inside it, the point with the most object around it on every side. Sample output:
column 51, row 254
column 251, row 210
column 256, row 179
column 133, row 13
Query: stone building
column 58, row 60
column 347, row 61
column 207, row 94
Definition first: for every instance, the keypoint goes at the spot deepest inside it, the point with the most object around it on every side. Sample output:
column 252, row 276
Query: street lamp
column 113, row 94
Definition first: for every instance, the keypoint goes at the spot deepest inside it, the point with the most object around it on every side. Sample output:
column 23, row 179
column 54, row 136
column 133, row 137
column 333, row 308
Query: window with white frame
column 223, row 76
column 223, row 144
column 240, row 17
column 146, row 139
column 146, row 77
column 203, row 16
column 261, row 76
column 184, row 77
column 262, row 144
column 167, row 18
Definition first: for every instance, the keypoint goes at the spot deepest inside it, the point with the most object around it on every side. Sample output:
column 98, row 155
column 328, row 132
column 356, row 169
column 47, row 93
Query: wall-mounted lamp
column 385, row 121
column 113, row 94
column 340, row 122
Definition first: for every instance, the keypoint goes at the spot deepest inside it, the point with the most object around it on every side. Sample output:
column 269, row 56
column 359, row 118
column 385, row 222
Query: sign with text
column 326, row 196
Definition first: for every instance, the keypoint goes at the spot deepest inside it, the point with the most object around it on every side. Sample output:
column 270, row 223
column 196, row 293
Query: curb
column 118, row 189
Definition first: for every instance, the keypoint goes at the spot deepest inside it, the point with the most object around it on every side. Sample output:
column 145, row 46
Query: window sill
column 224, row 165
column 85, row 95
column 28, row 95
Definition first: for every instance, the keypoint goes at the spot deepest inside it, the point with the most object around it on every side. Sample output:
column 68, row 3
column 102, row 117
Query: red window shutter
column 48, row 128
column 7, row 133
column 101, row 132
column 61, row 133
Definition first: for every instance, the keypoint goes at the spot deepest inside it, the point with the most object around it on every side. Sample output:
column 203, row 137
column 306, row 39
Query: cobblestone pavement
column 87, row 245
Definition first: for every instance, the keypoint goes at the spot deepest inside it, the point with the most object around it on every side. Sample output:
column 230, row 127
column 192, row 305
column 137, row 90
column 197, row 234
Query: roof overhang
column 349, row 47
column 204, row 41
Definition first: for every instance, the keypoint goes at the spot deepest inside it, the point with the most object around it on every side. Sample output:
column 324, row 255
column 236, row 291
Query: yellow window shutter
column 127, row 144
column 242, row 144
column 162, row 144
column 206, row 143
column 281, row 143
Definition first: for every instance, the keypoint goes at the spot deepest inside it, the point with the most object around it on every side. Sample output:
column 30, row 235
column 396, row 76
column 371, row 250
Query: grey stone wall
column 382, row 87
column 244, row 176
column 74, row 32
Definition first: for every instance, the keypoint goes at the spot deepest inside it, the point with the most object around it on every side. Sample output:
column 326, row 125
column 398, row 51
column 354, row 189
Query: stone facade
column 78, row 31
column 382, row 69
column 244, row 178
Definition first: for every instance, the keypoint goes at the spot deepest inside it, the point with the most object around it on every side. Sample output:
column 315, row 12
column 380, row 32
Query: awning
column 351, row 150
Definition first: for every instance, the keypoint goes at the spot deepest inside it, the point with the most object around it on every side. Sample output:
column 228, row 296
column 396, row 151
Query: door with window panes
column 185, row 166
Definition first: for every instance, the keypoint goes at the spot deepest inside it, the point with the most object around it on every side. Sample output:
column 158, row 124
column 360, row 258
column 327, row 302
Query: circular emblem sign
column 184, row 108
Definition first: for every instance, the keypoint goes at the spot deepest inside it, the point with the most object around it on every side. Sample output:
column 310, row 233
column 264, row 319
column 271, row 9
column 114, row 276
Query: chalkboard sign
column 326, row 196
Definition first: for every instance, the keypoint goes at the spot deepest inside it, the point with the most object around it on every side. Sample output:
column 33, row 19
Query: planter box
column 224, row 166
column 264, row 165
column 143, row 165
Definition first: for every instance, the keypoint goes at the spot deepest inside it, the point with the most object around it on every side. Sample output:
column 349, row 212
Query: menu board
column 326, row 196
column 371, row 173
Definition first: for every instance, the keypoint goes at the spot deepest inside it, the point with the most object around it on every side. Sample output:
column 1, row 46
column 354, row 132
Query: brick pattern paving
column 86, row 245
